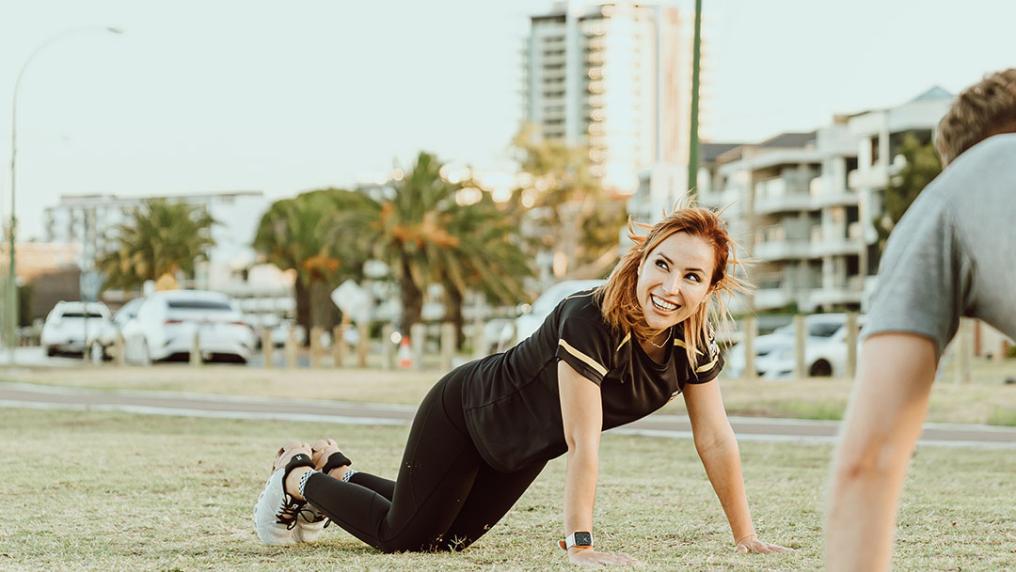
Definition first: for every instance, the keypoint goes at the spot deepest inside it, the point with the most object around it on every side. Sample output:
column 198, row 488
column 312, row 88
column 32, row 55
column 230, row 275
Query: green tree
column 579, row 219
column 489, row 259
column 425, row 236
column 300, row 234
column 920, row 166
column 160, row 237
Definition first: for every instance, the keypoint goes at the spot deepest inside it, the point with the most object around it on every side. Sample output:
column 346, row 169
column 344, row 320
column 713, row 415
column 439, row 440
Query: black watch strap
column 580, row 539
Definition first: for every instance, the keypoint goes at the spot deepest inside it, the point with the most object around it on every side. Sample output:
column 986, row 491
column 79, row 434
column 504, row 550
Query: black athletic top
column 511, row 401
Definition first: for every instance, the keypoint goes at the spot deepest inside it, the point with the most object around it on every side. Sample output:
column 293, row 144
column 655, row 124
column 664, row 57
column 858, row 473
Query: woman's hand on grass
column 752, row 545
column 592, row 558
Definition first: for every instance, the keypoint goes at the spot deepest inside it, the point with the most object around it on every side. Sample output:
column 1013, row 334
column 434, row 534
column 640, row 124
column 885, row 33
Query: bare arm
column 887, row 407
column 717, row 447
column 582, row 414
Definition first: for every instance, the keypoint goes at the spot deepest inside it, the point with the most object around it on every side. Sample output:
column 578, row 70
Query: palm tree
column 489, row 259
column 426, row 236
column 159, row 238
column 299, row 234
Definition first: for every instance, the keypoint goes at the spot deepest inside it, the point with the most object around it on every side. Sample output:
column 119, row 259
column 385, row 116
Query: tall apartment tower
column 613, row 77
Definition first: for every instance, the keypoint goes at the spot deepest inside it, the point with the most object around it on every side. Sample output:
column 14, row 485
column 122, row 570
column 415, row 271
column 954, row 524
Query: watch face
column 583, row 539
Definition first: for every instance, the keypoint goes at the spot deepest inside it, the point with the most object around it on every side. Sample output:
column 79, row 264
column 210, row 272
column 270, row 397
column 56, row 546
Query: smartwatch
column 580, row 539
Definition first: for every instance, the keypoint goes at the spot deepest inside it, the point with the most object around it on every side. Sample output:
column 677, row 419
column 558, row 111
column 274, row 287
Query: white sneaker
column 276, row 513
column 310, row 523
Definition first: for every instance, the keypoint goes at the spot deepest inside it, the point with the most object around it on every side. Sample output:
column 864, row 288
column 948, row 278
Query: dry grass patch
column 122, row 492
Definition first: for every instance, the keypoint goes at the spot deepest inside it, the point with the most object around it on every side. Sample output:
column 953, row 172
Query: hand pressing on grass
column 592, row 558
column 752, row 545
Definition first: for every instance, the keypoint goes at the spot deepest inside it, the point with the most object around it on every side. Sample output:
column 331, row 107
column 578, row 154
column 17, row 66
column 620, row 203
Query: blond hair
column 984, row 109
column 619, row 301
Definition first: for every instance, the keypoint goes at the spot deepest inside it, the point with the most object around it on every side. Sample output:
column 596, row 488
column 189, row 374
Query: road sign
column 353, row 300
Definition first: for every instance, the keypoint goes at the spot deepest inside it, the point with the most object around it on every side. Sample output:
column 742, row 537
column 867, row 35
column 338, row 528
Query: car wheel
column 50, row 351
column 821, row 368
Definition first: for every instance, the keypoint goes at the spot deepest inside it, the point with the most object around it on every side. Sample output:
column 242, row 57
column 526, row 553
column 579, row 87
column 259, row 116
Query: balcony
column 838, row 246
column 771, row 298
column 840, row 199
column 782, row 203
column 782, row 250
column 875, row 178
column 849, row 291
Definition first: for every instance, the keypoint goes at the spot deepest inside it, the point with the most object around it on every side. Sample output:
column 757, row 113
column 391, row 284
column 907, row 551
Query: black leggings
column 445, row 497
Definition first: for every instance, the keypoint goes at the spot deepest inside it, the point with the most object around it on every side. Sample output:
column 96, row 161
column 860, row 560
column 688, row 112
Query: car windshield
column 200, row 305
column 81, row 315
column 823, row 330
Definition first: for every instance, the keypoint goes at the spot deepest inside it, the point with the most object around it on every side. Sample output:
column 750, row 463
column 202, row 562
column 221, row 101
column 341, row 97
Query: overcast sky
column 221, row 95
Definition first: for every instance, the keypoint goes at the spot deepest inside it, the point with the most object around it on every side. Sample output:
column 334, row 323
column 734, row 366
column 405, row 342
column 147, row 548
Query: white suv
column 71, row 327
column 166, row 323
column 825, row 351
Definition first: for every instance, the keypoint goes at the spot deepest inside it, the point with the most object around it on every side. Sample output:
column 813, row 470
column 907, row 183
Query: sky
column 282, row 97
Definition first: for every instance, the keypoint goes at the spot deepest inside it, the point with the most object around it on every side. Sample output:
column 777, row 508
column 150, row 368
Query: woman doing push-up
column 602, row 358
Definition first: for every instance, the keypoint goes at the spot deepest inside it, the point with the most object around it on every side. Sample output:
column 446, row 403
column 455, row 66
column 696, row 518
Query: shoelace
column 290, row 510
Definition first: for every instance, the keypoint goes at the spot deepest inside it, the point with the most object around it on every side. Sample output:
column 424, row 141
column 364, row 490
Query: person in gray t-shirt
column 953, row 254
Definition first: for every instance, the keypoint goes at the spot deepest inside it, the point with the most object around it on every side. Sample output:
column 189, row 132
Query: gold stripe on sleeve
column 583, row 357
column 706, row 367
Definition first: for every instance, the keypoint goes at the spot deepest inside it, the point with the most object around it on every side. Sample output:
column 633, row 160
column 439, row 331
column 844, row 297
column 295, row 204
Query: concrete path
column 31, row 396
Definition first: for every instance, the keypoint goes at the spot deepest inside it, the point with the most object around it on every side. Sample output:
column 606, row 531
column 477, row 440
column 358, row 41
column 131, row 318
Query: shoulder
column 581, row 306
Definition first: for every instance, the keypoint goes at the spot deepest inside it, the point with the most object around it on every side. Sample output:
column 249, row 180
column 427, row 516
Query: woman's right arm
column 582, row 414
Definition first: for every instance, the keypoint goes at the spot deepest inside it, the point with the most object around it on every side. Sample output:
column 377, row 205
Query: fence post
column 750, row 331
column 851, row 344
column 315, row 346
column 387, row 349
column 362, row 343
column 267, row 348
column 339, row 343
column 195, row 352
column 417, row 338
column 447, row 345
column 120, row 358
column 291, row 348
column 964, row 349
column 800, row 368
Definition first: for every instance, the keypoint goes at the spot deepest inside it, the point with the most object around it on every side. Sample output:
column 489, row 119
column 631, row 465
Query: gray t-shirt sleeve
column 924, row 277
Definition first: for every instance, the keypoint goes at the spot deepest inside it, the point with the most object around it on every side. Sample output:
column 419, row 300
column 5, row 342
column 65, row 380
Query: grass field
column 121, row 492
column 986, row 401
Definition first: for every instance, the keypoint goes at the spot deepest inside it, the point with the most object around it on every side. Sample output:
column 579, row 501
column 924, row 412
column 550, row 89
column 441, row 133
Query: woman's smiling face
column 674, row 279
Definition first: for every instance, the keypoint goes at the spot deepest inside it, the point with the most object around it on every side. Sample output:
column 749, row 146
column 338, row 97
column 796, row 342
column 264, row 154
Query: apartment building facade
column 804, row 205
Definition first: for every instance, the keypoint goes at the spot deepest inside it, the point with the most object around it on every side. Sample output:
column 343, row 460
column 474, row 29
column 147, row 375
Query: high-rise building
column 614, row 78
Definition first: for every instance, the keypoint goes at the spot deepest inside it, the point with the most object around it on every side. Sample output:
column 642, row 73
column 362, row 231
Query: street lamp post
column 11, row 321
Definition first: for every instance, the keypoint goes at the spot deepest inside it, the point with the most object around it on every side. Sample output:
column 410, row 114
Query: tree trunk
column 321, row 306
column 302, row 295
column 412, row 299
column 453, row 312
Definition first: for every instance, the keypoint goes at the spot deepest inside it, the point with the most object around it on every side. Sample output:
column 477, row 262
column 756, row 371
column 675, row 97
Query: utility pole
column 693, row 141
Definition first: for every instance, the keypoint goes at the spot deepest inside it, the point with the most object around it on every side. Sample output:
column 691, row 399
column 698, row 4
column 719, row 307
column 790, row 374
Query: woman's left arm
column 717, row 447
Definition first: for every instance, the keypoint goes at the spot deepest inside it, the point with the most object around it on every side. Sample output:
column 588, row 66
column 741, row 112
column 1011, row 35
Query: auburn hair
column 619, row 301
column 984, row 109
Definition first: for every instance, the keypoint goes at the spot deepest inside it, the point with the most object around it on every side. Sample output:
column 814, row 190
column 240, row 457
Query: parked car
column 529, row 322
column 71, row 327
column 825, row 351
column 166, row 322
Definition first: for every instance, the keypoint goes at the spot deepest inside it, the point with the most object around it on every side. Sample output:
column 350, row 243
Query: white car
column 166, row 323
column 825, row 352
column 527, row 323
column 71, row 326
